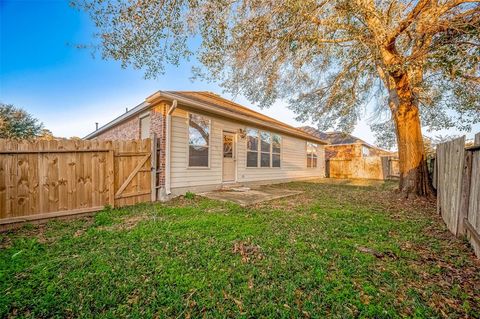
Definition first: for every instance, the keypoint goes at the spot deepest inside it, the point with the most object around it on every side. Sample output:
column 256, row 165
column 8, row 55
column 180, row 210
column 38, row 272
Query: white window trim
column 247, row 150
column 315, row 147
column 140, row 117
column 259, row 150
column 263, row 152
column 271, row 151
column 364, row 147
column 209, row 142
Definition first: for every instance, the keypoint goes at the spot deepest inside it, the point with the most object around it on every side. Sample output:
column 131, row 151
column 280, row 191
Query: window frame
column 269, row 152
column 365, row 151
column 250, row 151
column 208, row 145
column 140, row 118
column 275, row 153
column 259, row 149
column 311, row 156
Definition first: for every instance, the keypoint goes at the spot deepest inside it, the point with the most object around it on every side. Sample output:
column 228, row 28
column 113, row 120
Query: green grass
column 302, row 256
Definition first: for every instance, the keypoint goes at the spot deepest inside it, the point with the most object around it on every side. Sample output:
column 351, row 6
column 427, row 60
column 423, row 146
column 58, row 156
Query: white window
column 263, row 149
column 311, row 155
column 144, row 127
column 265, row 145
column 276, row 150
column 198, row 140
column 252, row 148
column 365, row 151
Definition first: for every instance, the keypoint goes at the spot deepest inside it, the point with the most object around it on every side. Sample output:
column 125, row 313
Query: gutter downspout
column 167, row 146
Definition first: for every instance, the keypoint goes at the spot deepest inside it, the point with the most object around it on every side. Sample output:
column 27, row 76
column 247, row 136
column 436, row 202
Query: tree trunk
column 413, row 167
column 403, row 103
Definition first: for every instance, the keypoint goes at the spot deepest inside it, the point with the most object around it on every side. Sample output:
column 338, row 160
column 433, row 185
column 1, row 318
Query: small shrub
column 190, row 195
column 103, row 218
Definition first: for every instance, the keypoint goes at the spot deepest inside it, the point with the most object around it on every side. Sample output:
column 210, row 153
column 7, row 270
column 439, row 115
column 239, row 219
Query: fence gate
column 45, row 179
column 132, row 172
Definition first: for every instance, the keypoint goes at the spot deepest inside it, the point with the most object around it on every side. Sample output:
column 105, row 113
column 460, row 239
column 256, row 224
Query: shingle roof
column 218, row 101
column 334, row 137
column 310, row 130
column 212, row 100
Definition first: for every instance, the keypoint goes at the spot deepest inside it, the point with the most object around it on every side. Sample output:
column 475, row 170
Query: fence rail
column 457, row 180
column 44, row 179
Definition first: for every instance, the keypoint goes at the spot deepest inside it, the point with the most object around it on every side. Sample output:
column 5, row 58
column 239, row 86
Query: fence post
column 385, row 160
column 153, row 160
column 327, row 168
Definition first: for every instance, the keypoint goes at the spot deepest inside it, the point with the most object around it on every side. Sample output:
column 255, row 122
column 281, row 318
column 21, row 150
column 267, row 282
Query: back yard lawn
column 336, row 250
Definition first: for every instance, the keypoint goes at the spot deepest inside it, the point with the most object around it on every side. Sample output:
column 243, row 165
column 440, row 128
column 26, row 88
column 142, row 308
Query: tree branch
column 403, row 25
column 471, row 78
column 449, row 5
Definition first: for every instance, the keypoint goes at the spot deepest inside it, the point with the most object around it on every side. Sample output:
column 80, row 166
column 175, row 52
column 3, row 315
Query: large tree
column 16, row 123
column 419, row 60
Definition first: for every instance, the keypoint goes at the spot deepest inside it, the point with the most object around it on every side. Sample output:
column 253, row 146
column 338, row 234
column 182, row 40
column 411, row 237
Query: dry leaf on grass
column 248, row 251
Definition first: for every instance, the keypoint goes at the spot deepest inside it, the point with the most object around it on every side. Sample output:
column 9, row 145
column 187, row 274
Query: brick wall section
column 158, row 125
column 157, row 120
column 130, row 130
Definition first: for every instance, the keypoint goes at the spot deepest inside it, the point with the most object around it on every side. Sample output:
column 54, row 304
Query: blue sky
column 43, row 72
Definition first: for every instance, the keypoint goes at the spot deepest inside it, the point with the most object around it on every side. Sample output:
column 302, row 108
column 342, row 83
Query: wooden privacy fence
column 370, row 167
column 44, row 179
column 457, row 180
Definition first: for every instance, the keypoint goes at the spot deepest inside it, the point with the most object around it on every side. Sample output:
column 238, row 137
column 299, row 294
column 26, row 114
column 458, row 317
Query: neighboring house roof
column 333, row 137
column 343, row 138
column 214, row 103
column 338, row 138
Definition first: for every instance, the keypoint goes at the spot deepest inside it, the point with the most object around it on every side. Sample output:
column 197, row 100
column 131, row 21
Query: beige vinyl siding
column 293, row 158
column 293, row 163
column 183, row 176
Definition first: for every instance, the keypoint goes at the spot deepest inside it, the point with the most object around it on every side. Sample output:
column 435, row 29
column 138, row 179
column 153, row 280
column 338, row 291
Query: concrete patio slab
column 252, row 196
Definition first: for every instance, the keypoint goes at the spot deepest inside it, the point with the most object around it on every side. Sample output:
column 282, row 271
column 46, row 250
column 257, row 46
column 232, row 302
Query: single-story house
column 208, row 142
column 348, row 156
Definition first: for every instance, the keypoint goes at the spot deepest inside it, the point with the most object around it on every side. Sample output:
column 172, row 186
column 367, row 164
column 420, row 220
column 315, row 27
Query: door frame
column 234, row 152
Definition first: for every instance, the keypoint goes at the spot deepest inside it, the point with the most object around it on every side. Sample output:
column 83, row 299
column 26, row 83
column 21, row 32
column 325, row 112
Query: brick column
column 158, row 126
